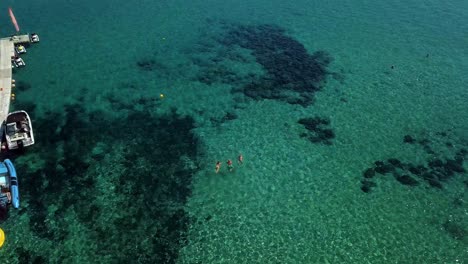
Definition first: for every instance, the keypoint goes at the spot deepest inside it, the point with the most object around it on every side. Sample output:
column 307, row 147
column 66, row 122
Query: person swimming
column 218, row 166
column 229, row 163
column 240, row 159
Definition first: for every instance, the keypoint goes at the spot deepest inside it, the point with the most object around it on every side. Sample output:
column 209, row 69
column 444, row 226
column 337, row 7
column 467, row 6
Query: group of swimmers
column 240, row 160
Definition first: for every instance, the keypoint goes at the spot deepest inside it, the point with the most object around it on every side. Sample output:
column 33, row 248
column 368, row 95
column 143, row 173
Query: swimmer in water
column 229, row 163
column 240, row 159
column 218, row 166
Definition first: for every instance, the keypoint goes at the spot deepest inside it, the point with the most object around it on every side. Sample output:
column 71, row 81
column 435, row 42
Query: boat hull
column 15, row 200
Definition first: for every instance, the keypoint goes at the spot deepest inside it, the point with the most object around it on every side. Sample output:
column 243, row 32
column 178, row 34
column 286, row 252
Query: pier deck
column 7, row 50
column 21, row 39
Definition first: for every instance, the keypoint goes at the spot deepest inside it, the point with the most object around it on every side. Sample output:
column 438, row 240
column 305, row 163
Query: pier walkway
column 7, row 50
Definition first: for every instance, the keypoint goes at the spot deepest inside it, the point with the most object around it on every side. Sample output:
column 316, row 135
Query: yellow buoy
column 2, row 237
column 161, row 96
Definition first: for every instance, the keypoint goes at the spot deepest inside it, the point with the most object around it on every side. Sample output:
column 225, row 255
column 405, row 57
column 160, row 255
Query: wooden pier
column 7, row 50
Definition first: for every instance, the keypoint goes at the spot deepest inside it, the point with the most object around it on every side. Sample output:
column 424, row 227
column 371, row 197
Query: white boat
column 18, row 62
column 34, row 38
column 20, row 49
column 18, row 130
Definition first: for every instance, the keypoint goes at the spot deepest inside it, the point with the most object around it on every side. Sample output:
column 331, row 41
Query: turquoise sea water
column 120, row 173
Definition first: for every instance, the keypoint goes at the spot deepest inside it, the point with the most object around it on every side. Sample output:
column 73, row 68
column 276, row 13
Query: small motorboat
column 18, row 62
column 34, row 38
column 20, row 49
column 18, row 130
column 9, row 192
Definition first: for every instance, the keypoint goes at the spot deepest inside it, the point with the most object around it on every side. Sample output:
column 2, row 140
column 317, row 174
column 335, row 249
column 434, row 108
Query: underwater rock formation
column 407, row 180
column 369, row 173
column 366, row 186
column 290, row 74
column 318, row 131
column 293, row 75
column 408, row 139
column 146, row 64
column 434, row 171
column 154, row 175
column 455, row 230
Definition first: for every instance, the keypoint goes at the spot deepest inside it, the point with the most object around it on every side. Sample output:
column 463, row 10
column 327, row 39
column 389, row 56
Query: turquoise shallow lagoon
column 351, row 117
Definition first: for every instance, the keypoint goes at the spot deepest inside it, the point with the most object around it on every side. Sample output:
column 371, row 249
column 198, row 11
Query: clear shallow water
column 115, row 182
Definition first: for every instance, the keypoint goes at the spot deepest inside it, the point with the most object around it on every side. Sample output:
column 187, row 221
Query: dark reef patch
column 369, row 173
column 26, row 256
column 218, row 73
column 71, row 142
column 293, row 75
column 437, row 169
column 383, row 168
column 318, row 131
column 366, row 186
column 407, row 180
column 228, row 116
column 288, row 72
column 408, row 139
column 147, row 64
column 455, row 230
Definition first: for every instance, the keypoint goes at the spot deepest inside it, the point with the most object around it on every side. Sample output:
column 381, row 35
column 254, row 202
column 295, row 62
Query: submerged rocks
column 318, row 130
column 141, row 163
column 434, row 183
column 369, row 173
column 437, row 163
column 395, row 162
column 407, row 180
column 454, row 165
column 417, row 170
column 292, row 74
column 366, row 186
column 436, row 170
column 383, row 168
column 408, row 139
column 146, row 64
column 391, row 166
column 455, row 230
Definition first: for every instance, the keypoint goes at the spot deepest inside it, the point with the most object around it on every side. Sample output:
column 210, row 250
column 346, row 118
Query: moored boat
column 20, row 49
column 18, row 130
column 17, row 62
column 34, row 38
column 9, row 192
